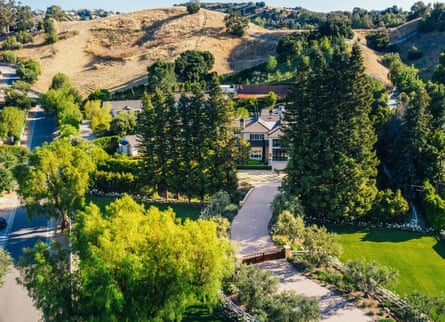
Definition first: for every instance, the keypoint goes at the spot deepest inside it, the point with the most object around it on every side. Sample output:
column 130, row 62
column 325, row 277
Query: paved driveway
column 250, row 231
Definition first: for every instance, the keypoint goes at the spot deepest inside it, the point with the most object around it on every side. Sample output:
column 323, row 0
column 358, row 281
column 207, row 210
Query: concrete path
column 250, row 230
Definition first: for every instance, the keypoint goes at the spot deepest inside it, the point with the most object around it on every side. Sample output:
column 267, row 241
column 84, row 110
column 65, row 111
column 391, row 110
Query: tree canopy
column 132, row 264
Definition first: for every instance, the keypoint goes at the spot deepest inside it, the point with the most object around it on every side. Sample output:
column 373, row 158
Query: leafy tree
column 55, row 12
column 389, row 206
column 57, row 179
column 7, row 15
column 100, row 117
column 60, row 80
column 193, row 6
column 130, row 266
column 24, row 37
column 70, row 114
column 192, row 65
column 433, row 206
column 124, row 123
column 7, row 182
column 11, row 43
column 271, row 63
column 17, row 95
column 29, row 70
column 24, row 20
column 161, row 75
column 236, row 24
column 335, row 28
column 289, row 229
column 377, row 40
column 100, row 94
column 330, row 138
column 45, row 272
column 270, row 100
column 12, row 121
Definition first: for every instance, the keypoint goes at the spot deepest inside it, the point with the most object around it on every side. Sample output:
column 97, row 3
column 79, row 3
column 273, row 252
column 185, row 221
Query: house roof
column 120, row 105
column 130, row 139
column 244, row 91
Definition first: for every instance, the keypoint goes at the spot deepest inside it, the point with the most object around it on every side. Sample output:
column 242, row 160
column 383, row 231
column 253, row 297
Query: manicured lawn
column 182, row 210
column 419, row 258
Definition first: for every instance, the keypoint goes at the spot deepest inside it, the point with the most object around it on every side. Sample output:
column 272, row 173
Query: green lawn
column 182, row 210
column 419, row 258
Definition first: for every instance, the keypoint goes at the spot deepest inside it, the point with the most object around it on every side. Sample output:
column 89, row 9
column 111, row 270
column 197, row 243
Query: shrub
column 377, row 40
column 9, row 57
column 414, row 53
column 24, row 37
column 11, row 43
column 114, row 182
column 108, row 143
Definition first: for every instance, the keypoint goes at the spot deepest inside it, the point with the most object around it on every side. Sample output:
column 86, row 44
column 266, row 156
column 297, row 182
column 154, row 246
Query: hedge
column 254, row 167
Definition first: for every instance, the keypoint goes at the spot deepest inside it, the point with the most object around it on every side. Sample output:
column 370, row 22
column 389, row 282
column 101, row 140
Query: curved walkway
column 250, row 231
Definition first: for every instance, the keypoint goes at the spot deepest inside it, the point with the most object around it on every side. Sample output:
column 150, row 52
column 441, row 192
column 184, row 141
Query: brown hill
column 114, row 52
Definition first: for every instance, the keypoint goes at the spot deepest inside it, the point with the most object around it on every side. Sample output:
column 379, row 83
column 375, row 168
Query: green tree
column 130, row 267
column 60, row 80
column 289, row 229
column 377, row 40
column 12, row 121
column 236, row 24
column 7, row 15
column 57, row 178
column 18, row 95
column 29, row 70
column 7, row 181
column 193, row 6
column 100, row 117
column 161, row 75
column 45, row 273
column 124, row 123
column 330, row 138
column 193, row 65
column 11, row 43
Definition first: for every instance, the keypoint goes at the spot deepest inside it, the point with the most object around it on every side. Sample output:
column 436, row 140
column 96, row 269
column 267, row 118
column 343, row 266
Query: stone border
column 242, row 202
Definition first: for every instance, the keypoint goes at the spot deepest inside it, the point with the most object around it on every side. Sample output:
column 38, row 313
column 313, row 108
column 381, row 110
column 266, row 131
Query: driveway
column 250, row 231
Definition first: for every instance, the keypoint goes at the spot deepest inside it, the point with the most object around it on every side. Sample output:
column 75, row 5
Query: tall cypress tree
column 331, row 139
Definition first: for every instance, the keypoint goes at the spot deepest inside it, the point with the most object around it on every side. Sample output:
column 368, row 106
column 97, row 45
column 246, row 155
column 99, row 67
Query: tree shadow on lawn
column 378, row 234
column 440, row 247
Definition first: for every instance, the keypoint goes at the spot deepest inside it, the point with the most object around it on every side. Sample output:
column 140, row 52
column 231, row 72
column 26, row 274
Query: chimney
column 241, row 124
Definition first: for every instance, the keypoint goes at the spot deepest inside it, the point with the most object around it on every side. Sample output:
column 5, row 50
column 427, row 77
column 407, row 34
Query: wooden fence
column 265, row 255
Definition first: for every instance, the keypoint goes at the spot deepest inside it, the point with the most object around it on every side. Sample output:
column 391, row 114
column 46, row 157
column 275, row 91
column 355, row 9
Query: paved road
column 15, row 304
column 250, row 230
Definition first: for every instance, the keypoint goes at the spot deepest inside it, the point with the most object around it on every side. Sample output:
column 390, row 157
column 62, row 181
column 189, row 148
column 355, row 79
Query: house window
column 276, row 143
column 256, row 153
column 256, row 137
column 279, row 155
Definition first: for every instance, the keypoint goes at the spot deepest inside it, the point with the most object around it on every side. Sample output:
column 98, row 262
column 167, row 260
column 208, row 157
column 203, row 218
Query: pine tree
column 330, row 138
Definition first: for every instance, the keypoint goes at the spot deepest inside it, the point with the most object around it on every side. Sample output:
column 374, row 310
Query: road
column 15, row 304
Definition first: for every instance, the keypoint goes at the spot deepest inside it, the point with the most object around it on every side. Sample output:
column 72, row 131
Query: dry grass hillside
column 114, row 52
